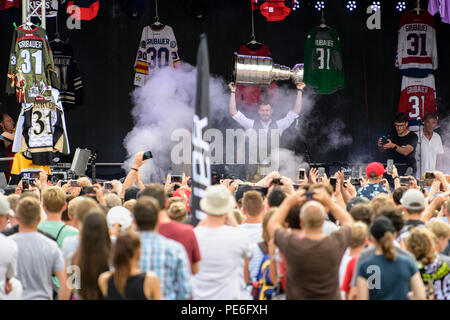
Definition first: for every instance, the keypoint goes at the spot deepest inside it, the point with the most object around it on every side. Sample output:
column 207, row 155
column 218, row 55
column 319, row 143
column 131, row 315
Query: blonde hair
column 439, row 228
column 54, row 199
column 130, row 204
column 421, row 243
column 177, row 211
column 386, row 243
column 266, row 218
column 360, row 232
column 13, row 200
column 28, row 210
column 238, row 216
column 379, row 201
column 112, row 200
column 80, row 208
column 252, row 203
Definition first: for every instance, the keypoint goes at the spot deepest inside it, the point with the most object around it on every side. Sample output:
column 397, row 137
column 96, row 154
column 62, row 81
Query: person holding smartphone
column 401, row 144
column 374, row 173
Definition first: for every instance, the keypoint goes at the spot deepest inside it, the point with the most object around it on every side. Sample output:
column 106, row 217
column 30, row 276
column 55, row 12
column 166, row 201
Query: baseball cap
column 413, row 199
column 380, row 226
column 376, row 167
column 120, row 215
column 5, row 208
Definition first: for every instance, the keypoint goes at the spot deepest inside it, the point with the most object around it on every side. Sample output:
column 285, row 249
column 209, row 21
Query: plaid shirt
column 168, row 259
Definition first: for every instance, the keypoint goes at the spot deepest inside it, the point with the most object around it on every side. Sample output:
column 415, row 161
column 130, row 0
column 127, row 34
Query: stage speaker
column 80, row 161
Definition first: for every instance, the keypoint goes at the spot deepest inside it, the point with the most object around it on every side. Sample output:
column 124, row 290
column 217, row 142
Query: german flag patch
column 141, row 67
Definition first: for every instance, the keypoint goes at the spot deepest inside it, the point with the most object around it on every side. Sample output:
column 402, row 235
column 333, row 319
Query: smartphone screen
column 301, row 174
column 321, row 172
column 175, row 178
column 147, row 155
column 390, row 165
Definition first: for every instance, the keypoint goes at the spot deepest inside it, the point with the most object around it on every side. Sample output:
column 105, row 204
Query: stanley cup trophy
column 261, row 71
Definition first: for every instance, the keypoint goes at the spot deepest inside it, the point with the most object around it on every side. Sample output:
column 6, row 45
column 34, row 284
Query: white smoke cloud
column 166, row 103
column 445, row 136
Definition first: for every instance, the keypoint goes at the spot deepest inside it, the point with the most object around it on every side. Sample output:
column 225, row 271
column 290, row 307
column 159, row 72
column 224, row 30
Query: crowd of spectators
column 273, row 239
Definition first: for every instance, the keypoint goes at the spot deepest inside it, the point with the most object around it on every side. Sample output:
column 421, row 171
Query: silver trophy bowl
column 261, row 71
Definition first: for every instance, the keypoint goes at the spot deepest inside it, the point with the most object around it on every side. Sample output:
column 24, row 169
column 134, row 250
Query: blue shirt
column 387, row 280
column 370, row 190
column 169, row 260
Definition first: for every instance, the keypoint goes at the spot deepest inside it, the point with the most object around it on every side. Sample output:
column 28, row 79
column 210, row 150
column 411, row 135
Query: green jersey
column 323, row 61
column 31, row 71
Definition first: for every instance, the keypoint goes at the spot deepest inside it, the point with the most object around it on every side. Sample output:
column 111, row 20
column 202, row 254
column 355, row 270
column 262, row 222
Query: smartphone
column 277, row 181
column 175, row 178
column 147, row 155
column 429, row 175
column 321, row 172
column 189, row 183
column 421, row 184
column 25, row 184
column 390, row 166
column 88, row 190
column 74, row 183
column 404, row 180
column 296, row 186
column 107, row 186
column 301, row 174
column 333, row 183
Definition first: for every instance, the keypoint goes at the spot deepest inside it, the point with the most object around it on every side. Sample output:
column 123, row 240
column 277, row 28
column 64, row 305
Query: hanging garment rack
column 27, row 13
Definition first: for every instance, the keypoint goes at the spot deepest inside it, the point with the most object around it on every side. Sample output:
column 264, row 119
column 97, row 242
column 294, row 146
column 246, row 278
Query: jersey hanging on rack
column 418, row 98
column 71, row 84
column 41, row 130
column 31, row 72
column 51, row 7
column 22, row 162
column 157, row 49
column 249, row 97
column 416, row 49
column 323, row 69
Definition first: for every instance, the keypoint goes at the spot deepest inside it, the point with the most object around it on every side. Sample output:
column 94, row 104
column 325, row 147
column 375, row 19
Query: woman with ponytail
column 127, row 281
column 434, row 268
column 387, row 275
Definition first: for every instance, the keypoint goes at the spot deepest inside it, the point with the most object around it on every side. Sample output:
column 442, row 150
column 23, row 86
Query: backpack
column 263, row 288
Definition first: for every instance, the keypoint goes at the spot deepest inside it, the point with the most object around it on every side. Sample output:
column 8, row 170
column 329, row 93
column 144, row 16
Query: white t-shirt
column 428, row 151
column 8, row 262
column 221, row 250
column 282, row 124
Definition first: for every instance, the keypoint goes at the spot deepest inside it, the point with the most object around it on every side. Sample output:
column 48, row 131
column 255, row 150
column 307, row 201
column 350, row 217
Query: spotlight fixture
column 351, row 5
column 376, row 5
column 296, row 5
column 320, row 5
column 401, row 5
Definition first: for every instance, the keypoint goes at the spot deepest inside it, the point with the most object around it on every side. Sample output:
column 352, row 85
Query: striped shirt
column 168, row 259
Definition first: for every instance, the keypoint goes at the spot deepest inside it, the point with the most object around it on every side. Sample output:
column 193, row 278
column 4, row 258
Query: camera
column 147, row 155
column 404, row 180
column 384, row 139
column 429, row 175
column 108, row 186
column 175, row 178
column 276, row 181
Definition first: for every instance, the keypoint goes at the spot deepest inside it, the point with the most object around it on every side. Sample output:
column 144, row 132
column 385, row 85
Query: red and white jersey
column 250, row 96
column 416, row 50
column 157, row 49
column 418, row 98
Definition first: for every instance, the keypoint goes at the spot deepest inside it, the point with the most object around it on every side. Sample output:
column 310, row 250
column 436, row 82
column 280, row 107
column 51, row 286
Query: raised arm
column 233, row 109
column 298, row 101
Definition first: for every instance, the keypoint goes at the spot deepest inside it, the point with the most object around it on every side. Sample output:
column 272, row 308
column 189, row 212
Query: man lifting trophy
column 261, row 71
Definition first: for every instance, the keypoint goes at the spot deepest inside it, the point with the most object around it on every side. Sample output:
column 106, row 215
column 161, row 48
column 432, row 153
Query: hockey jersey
column 23, row 163
column 51, row 7
column 249, row 97
column 41, row 130
column 416, row 49
column 31, row 71
column 71, row 84
column 418, row 98
column 323, row 69
column 157, row 49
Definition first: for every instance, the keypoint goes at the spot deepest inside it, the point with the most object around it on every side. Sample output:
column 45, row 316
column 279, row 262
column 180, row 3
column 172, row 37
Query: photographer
column 400, row 144
column 313, row 261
